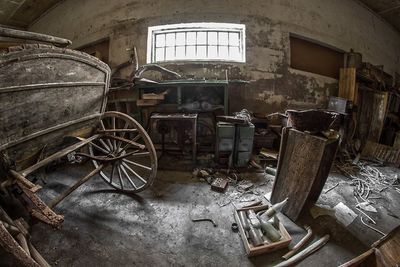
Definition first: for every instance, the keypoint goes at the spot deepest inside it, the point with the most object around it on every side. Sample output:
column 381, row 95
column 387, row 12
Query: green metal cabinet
column 234, row 141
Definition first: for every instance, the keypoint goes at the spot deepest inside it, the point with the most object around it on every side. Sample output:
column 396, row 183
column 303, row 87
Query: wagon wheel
column 125, row 140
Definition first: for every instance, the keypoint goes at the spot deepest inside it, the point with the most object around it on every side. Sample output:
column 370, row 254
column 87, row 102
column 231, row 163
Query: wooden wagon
column 52, row 105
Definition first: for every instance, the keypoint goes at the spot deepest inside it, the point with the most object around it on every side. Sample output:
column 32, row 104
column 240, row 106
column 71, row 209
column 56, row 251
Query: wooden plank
column 367, row 259
column 149, row 96
column 269, row 153
column 300, row 176
column 147, row 102
column 385, row 153
column 325, row 166
column 47, row 93
column 372, row 114
column 347, row 84
column 389, row 247
column 397, row 141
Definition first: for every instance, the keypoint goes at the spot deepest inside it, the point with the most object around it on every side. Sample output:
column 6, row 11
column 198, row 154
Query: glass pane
column 212, row 38
column 180, row 38
column 202, row 52
column 160, row 40
column 212, row 52
column 201, row 38
column 170, row 53
column 170, row 39
column 180, row 52
column 223, row 52
column 234, row 53
column 223, row 38
column 234, row 38
column 159, row 54
column 191, row 38
column 191, row 52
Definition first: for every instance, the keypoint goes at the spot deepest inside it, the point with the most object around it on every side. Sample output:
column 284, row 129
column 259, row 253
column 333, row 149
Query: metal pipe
column 299, row 245
column 306, row 252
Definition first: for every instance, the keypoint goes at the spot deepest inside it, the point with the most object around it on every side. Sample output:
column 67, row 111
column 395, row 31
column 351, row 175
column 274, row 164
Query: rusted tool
column 205, row 220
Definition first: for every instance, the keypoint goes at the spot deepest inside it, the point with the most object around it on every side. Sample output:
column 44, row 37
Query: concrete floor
column 105, row 228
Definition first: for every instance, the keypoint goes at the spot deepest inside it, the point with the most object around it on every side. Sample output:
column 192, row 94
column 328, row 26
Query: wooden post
column 12, row 33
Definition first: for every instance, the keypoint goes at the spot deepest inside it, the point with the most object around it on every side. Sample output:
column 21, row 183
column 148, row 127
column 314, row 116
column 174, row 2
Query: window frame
column 196, row 27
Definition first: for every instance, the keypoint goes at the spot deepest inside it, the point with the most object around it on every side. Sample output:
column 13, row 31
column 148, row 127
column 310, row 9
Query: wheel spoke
column 134, row 173
column 120, row 177
column 114, row 133
column 104, row 128
column 137, row 164
column 105, row 145
column 137, row 137
column 100, row 148
column 112, row 172
column 127, row 176
column 123, row 135
column 140, row 154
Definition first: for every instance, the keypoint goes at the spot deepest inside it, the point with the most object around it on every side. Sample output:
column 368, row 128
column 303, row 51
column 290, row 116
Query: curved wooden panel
column 48, row 91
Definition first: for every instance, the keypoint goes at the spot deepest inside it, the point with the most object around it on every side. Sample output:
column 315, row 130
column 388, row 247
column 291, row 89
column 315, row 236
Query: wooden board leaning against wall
column 371, row 105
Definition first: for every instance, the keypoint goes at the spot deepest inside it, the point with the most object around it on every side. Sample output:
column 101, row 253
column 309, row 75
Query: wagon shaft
column 39, row 209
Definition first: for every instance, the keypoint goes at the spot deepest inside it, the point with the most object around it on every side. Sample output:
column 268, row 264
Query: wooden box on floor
column 303, row 167
column 250, row 249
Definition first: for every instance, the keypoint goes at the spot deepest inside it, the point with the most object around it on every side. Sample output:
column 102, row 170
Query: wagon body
column 46, row 94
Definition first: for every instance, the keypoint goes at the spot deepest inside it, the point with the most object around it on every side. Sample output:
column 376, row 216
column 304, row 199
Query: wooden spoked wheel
column 124, row 139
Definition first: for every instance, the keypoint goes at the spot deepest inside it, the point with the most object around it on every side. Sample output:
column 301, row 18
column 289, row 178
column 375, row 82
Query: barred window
column 196, row 41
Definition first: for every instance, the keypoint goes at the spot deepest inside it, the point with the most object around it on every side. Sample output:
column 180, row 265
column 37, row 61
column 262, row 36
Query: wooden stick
column 23, row 243
column 31, row 186
column 306, row 252
column 299, row 245
column 12, row 33
column 75, row 186
column 36, row 256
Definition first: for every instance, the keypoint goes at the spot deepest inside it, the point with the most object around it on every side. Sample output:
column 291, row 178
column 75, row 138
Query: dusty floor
column 154, row 228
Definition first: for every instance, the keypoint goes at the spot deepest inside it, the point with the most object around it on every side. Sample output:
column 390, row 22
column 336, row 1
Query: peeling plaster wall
column 273, row 86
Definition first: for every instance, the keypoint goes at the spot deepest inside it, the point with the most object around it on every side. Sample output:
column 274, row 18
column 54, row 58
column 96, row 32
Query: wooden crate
column 266, row 248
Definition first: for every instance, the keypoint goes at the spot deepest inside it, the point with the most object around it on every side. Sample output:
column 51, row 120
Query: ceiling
column 389, row 10
column 21, row 13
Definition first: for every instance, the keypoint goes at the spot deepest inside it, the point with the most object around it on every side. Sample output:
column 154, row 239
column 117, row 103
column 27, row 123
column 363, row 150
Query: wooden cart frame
column 118, row 147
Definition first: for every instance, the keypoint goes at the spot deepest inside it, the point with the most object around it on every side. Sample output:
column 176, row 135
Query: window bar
column 206, row 44
column 217, row 44
column 196, row 46
column 185, row 45
column 228, row 46
column 175, row 48
column 165, row 47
